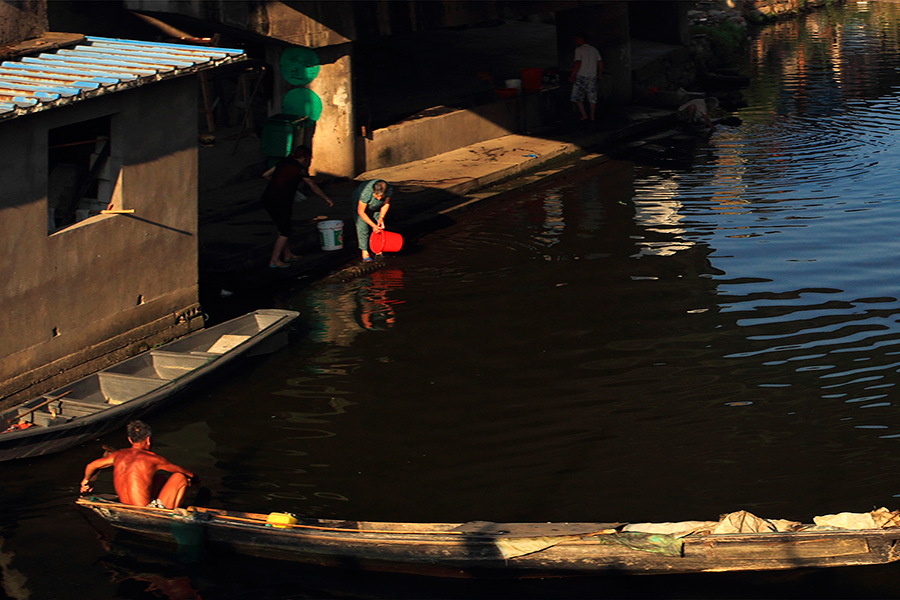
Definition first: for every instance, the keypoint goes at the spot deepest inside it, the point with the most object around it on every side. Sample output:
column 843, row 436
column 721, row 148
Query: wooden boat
column 107, row 400
column 501, row 549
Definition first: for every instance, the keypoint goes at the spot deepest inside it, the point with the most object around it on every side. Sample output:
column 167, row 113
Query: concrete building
column 386, row 83
column 98, row 158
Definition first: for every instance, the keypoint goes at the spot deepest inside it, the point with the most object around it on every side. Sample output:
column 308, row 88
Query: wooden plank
column 91, row 404
column 118, row 388
column 780, row 549
column 536, row 529
column 79, row 409
column 206, row 98
column 226, row 343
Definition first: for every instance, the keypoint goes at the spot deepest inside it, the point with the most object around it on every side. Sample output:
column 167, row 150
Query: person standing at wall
column 373, row 200
column 278, row 199
column 585, row 77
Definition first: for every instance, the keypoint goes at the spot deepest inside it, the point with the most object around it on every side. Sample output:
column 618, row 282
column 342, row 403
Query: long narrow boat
column 483, row 548
column 106, row 400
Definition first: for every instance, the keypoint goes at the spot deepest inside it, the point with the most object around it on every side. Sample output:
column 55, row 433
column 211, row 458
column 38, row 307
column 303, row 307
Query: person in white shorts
column 585, row 76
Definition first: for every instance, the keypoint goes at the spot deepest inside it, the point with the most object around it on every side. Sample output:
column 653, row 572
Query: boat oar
column 38, row 407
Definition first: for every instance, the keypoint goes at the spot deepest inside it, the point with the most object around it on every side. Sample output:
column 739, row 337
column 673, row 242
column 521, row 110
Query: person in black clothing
column 278, row 199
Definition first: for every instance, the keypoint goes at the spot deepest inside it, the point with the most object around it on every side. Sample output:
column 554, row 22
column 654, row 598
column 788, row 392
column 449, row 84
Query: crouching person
column 139, row 475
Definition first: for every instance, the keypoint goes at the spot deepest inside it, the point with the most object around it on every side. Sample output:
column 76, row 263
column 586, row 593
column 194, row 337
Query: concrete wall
column 335, row 133
column 664, row 22
column 336, row 30
column 444, row 131
column 112, row 283
column 22, row 20
column 318, row 23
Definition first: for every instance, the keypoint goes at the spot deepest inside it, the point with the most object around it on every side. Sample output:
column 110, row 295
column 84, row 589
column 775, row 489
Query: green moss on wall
column 726, row 38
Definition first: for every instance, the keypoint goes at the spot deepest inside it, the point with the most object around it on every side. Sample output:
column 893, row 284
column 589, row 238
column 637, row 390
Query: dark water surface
column 643, row 343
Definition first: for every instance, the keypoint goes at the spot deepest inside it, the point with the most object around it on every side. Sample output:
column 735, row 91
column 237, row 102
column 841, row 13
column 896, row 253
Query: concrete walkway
column 236, row 234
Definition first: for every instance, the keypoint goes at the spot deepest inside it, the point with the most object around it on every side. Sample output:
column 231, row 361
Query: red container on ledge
column 532, row 79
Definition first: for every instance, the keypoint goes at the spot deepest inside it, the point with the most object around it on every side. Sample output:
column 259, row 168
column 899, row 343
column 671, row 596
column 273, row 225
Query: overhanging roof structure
column 98, row 66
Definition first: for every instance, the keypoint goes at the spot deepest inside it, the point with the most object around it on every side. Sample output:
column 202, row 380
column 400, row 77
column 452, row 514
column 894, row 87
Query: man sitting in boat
column 136, row 472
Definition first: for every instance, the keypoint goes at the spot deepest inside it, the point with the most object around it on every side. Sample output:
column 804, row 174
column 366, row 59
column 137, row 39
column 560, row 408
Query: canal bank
column 236, row 234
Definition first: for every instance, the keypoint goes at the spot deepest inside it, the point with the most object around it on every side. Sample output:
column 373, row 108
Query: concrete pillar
column 279, row 85
column 334, row 141
column 607, row 26
column 332, row 134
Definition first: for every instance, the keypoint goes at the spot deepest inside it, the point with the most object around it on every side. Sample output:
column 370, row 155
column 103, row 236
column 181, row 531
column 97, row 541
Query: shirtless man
column 136, row 475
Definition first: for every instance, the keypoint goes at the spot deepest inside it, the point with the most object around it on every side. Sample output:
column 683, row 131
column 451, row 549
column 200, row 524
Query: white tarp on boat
column 876, row 519
column 737, row 522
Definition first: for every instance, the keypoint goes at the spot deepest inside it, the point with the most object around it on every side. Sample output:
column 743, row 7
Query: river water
column 636, row 343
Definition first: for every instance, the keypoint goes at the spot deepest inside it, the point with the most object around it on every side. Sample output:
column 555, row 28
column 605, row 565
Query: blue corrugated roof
column 97, row 66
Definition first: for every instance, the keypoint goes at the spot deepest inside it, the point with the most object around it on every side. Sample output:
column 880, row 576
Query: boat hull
column 105, row 401
column 484, row 549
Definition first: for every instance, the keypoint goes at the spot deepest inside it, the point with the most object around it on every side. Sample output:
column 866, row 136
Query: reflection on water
column 808, row 260
column 15, row 585
column 341, row 311
column 637, row 343
column 656, row 210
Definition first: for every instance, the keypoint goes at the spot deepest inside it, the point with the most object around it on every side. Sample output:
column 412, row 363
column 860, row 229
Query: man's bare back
column 135, row 472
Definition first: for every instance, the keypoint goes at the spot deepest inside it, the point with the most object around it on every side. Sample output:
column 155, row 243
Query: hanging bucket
column 331, row 234
column 385, row 241
column 515, row 84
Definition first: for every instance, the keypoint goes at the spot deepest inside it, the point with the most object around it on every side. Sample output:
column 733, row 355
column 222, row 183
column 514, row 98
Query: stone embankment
column 757, row 11
column 721, row 27
column 744, row 13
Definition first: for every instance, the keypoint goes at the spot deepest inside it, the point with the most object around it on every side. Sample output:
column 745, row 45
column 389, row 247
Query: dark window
column 81, row 175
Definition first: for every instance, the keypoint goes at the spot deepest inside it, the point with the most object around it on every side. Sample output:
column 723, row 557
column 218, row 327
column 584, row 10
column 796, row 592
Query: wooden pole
column 247, row 109
column 38, row 407
column 207, row 102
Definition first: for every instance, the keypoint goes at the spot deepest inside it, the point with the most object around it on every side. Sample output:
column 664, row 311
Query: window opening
column 81, row 175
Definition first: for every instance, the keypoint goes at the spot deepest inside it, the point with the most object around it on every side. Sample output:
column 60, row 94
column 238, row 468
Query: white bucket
column 331, row 234
column 514, row 83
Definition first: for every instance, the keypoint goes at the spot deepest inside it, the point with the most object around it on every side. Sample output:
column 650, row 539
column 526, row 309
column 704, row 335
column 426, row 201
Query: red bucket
column 532, row 79
column 385, row 241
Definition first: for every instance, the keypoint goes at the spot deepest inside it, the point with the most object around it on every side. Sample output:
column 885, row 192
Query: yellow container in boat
column 280, row 520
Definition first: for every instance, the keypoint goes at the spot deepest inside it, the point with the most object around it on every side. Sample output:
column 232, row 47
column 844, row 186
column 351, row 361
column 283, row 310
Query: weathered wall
column 335, row 132
column 66, row 295
column 317, row 23
column 664, row 22
column 772, row 9
column 22, row 20
column 428, row 136
column 333, row 28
